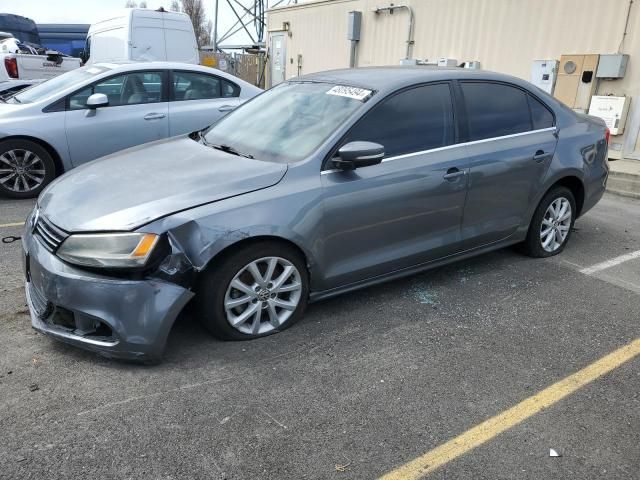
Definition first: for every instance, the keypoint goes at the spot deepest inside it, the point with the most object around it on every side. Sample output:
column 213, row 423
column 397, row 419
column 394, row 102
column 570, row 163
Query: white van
column 141, row 34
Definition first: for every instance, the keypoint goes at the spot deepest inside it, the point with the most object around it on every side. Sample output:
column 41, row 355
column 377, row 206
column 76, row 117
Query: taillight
column 607, row 134
column 11, row 64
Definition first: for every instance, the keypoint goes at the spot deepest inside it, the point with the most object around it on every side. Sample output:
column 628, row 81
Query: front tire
column 25, row 169
column 255, row 291
column 551, row 224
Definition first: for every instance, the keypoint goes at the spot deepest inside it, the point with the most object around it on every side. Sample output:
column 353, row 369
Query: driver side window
column 417, row 119
column 129, row 89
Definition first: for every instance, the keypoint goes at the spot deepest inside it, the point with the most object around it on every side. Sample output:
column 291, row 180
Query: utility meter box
column 447, row 62
column 613, row 110
column 576, row 82
column 543, row 74
column 472, row 65
column 353, row 29
column 612, row 66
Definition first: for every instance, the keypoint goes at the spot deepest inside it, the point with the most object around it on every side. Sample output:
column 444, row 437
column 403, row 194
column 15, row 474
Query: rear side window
column 495, row 110
column 540, row 115
column 411, row 121
column 195, row 86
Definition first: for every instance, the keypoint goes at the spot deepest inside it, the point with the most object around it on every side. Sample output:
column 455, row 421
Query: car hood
column 136, row 186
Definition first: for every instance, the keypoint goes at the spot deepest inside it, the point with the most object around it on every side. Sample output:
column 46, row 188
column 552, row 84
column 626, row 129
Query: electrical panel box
column 544, row 73
column 409, row 61
column 612, row 66
column 472, row 65
column 353, row 29
column 576, row 83
column 447, row 62
column 613, row 110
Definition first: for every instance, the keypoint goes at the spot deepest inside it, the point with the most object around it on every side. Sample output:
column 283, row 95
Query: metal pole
column 352, row 56
column 215, row 26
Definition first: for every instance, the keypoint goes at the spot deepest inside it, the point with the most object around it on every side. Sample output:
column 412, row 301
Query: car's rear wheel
column 255, row 291
column 25, row 169
column 552, row 223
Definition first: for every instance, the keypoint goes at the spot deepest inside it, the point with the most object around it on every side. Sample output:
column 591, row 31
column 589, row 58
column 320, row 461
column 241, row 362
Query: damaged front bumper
column 115, row 317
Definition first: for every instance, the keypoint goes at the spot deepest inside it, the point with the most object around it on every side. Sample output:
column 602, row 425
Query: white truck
column 142, row 35
column 21, row 64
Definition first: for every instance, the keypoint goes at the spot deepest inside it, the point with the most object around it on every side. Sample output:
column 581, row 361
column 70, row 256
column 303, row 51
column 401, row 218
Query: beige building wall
column 504, row 35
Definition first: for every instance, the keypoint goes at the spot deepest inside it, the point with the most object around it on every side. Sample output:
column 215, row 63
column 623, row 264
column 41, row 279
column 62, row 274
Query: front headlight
column 114, row 250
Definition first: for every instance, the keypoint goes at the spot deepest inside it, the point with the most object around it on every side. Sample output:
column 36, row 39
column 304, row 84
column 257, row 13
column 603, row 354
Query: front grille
column 50, row 236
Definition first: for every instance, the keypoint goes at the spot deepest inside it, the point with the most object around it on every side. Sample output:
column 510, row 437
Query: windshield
column 288, row 122
column 56, row 84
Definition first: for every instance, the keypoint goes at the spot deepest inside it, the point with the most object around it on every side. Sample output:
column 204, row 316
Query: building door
column 278, row 58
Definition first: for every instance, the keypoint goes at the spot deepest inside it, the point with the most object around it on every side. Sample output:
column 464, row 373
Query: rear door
column 199, row 99
column 408, row 209
column 512, row 139
column 137, row 113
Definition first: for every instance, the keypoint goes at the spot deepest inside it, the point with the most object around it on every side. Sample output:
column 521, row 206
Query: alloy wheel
column 21, row 170
column 263, row 295
column 556, row 224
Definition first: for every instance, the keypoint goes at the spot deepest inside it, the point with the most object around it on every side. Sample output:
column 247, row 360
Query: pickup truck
column 15, row 64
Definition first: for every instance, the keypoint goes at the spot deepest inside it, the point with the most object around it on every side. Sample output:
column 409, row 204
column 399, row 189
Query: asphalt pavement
column 363, row 384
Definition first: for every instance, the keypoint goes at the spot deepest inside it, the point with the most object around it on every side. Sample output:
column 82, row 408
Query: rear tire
column 551, row 224
column 25, row 169
column 258, row 290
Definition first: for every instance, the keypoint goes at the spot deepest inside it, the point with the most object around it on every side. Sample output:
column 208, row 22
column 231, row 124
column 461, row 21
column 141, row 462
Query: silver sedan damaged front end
column 125, row 315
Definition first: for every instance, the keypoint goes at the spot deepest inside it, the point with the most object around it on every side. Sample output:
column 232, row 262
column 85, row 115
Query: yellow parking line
column 17, row 224
column 494, row 426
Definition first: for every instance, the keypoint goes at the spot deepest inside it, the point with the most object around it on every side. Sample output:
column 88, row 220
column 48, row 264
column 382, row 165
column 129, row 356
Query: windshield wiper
column 226, row 149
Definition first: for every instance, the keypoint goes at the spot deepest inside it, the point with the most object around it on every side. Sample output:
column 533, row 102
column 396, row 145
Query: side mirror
column 97, row 100
column 358, row 154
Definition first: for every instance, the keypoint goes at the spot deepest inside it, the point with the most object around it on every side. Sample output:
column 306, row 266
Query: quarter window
column 129, row 89
column 411, row 121
column 495, row 110
column 540, row 115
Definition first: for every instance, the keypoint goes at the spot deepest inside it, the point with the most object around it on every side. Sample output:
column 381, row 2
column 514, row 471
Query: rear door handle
column 154, row 116
column 540, row 155
column 453, row 173
column 226, row 108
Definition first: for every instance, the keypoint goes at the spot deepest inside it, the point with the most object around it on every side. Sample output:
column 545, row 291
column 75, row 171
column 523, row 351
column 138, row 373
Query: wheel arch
column 576, row 186
column 57, row 160
column 247, row 242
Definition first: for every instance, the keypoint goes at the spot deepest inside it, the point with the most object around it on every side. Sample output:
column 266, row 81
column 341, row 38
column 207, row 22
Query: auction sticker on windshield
column 351, row 92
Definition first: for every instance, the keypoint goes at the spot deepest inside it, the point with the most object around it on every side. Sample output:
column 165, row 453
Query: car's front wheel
column 253, row 292
column 25, row 168
column 552, row 223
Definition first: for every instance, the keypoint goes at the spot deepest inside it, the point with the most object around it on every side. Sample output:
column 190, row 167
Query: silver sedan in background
column 96, row 110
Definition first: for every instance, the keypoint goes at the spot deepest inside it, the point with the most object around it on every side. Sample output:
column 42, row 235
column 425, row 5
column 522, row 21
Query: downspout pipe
column 391, row 8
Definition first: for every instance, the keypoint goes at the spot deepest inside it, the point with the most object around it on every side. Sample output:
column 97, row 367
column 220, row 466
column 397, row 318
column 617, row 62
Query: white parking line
column 611, row 263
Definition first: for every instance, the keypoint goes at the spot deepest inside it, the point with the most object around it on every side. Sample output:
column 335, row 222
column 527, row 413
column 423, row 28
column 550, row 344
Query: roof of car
column 394, row 77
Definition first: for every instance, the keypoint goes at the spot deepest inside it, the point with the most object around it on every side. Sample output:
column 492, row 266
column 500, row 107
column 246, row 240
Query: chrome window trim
column 455, row 145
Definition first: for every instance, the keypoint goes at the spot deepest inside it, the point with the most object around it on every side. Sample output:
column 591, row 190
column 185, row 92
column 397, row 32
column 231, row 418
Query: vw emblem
column 34, row 220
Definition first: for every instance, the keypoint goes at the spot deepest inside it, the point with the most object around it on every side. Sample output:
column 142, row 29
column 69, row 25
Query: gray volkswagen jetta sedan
column 324, row 184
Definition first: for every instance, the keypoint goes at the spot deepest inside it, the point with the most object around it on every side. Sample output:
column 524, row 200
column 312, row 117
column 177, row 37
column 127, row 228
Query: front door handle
column 154, row 116
column 226, row 108
column 453, row 173
column 540, row 155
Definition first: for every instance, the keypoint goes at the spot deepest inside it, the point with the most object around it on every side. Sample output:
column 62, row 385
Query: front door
column 406, row 210
column 512, row 141
column 278, row 56
column 137, row 113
